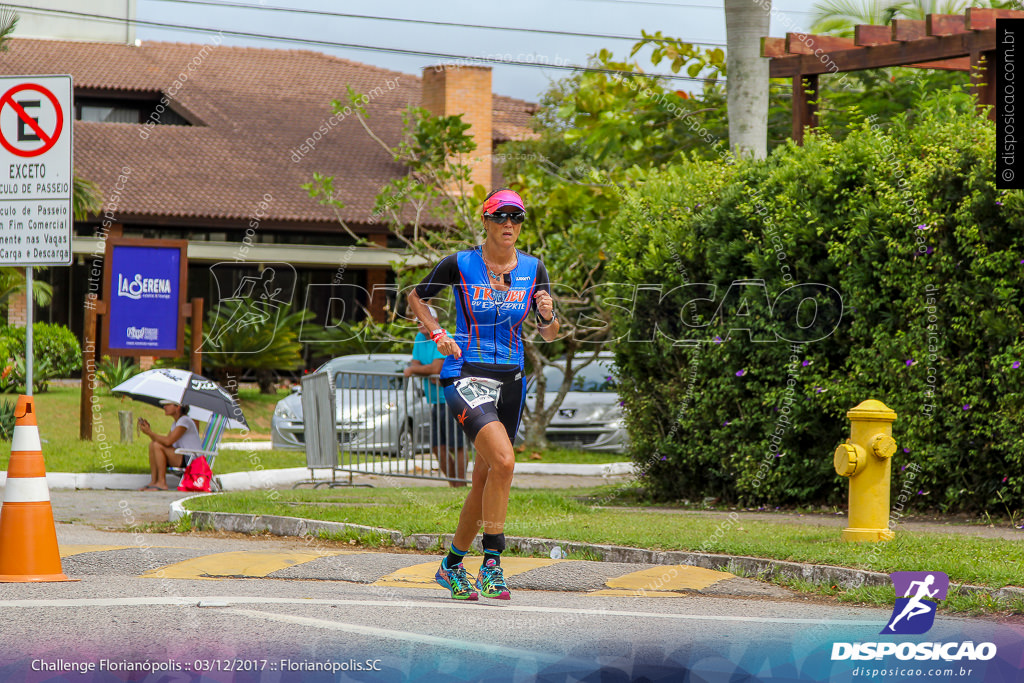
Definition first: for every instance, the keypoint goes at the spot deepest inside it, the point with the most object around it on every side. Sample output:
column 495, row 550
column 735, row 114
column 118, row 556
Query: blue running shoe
column 457, row 581
column 491, row 581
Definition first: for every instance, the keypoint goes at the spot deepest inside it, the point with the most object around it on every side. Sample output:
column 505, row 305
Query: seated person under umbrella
column 183, row 434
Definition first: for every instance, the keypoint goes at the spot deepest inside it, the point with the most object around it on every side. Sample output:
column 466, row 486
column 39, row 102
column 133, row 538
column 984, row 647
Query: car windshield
column 348, row 381
column 390, row 366
column 596, row 377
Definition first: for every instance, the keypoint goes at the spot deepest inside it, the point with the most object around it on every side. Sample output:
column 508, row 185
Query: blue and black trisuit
column 489, row 332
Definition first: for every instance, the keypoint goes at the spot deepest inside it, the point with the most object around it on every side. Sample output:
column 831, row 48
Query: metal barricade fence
column 318, row 429
column 386, row 425
column 320, row 435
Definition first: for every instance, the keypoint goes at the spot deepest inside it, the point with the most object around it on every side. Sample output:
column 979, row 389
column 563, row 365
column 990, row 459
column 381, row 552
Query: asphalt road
column 279, row 626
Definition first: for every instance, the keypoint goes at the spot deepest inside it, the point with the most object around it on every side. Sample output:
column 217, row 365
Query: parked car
column 373, row 413
column 590, row 417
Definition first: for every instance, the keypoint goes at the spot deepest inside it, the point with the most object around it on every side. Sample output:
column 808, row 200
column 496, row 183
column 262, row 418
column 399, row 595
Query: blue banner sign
column 144, row 298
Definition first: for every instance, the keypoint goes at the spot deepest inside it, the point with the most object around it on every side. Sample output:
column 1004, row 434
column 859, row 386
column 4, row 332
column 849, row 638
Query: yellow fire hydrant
column 866, row 458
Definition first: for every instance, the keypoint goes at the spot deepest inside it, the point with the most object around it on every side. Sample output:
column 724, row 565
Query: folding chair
column 208, row 449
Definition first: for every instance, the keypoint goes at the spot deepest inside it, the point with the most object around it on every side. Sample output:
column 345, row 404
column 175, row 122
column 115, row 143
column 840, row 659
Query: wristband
column 438, row 334
column 545, row 323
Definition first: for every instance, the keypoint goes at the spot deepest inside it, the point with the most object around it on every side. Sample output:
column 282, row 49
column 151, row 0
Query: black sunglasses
column 500, row 217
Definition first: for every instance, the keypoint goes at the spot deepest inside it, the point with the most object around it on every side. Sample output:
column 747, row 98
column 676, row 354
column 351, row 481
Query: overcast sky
column 700, row 21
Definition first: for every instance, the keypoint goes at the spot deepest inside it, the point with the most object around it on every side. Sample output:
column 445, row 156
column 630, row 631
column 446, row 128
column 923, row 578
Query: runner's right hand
column 448, row 347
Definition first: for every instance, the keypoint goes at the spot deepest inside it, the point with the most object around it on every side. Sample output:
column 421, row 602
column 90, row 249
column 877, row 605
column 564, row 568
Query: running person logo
column 914, row 612
column 462, row 416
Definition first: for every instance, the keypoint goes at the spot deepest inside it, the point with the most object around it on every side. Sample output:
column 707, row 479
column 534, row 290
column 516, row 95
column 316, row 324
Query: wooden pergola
column 942, row 41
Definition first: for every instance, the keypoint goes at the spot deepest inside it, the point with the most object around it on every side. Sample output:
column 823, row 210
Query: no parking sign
column 36, row 176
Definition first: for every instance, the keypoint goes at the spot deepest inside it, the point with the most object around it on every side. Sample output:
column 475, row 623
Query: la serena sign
column 144, row 288
column 135, row 288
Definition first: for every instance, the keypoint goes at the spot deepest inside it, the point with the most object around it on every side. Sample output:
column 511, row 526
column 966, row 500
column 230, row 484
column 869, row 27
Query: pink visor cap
column 503, row 198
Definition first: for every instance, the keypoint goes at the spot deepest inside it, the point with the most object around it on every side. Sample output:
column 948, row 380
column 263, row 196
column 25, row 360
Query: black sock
column 453, row 557
column 493, row 545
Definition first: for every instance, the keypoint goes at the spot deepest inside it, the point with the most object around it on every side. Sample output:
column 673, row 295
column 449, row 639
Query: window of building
column 127, row 110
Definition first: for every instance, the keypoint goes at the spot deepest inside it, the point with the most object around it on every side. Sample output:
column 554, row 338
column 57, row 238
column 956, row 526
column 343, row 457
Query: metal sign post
column 36, row 180
column 28, row 331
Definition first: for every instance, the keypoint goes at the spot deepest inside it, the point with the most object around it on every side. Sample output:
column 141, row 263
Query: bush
column 56, row 353
column 110, row 373
column 7, row 420
column 906, row 224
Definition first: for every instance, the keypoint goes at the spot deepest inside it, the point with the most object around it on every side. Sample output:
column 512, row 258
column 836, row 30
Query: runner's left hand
column 545, row 305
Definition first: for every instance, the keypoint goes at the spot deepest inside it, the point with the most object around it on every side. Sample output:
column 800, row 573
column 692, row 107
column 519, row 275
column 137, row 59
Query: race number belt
column 478, row 390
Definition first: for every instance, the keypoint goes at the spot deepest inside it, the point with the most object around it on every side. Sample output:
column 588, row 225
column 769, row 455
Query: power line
column 429, row 22
column 673, row 4
column 354, row 46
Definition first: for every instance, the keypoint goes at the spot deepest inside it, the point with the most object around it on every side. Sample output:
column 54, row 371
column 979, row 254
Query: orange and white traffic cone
column 28, row 535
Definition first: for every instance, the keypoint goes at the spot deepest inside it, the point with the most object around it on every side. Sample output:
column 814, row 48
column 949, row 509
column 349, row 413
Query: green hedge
column 56, row 353
column 927, row 256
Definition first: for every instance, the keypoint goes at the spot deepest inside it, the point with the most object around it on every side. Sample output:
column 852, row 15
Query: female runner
column 495, row 287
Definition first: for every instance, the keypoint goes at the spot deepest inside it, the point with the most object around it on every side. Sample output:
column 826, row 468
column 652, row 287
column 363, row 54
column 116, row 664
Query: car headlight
column 361, row 414
column 612, row 413
column 382, row 409
column 284, row 412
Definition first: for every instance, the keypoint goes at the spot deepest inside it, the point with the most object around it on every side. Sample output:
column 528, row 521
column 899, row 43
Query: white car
column 590, row 417
column 374, row 413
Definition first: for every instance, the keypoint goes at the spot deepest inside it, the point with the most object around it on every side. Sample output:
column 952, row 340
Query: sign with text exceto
column 144, row 289
column 36, row 172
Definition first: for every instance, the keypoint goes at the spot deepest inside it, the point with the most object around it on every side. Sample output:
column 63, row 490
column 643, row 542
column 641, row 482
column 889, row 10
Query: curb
column 177, row 510
column 753, row 567
column 261, row 479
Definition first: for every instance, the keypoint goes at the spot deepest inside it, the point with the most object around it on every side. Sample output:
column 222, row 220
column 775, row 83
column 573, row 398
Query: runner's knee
column 502, row 461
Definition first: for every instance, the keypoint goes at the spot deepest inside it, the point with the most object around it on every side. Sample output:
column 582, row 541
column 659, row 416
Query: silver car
column 590, row 417
column 374, row 413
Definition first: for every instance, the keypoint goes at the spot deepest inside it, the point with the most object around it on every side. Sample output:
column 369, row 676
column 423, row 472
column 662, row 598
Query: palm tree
column 838, row 17
column 8, row 22
column 746, row 22
column 86, row 198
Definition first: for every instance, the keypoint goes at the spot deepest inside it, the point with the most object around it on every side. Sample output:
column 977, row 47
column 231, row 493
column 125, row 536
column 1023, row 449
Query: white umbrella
column 203, row 396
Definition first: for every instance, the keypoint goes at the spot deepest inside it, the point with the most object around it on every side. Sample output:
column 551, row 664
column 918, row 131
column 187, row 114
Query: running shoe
column 457, row 581
column 491, row 582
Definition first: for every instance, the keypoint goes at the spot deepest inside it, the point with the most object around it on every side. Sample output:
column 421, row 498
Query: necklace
column 496, row 274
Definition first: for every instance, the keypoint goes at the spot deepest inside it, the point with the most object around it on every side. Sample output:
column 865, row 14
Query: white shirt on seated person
column 190, row 439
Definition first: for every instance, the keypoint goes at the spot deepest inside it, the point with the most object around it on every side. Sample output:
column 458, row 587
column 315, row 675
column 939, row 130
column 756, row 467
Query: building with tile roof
column 206, row 141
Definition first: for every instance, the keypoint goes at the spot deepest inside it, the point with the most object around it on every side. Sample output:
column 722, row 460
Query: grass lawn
column 57, row 411
column 558, row 514
column 57, row 414
column 563, row 455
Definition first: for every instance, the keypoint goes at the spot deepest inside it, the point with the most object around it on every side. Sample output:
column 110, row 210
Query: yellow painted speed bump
column 236, row 564
column 634, row 594
column 69, row 550
column 422, row 575
column 658, row 580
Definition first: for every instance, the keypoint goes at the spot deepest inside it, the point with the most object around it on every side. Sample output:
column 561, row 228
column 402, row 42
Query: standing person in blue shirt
column 444, row 433
column 495, row 288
